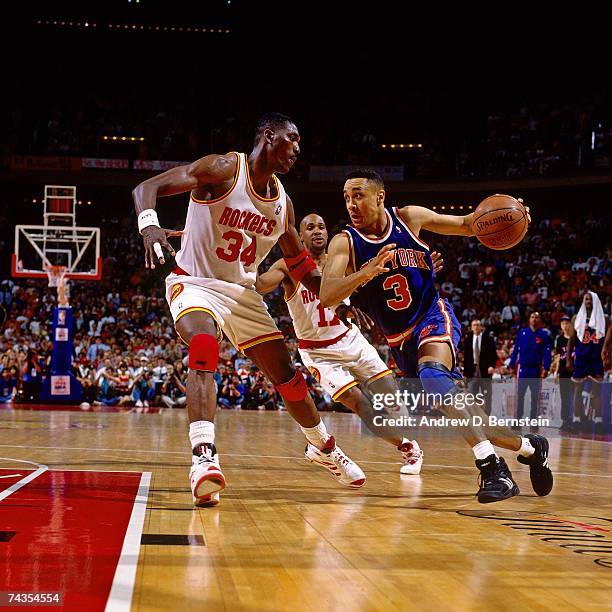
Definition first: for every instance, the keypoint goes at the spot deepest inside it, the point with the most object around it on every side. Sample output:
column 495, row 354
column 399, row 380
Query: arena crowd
column 126, row 352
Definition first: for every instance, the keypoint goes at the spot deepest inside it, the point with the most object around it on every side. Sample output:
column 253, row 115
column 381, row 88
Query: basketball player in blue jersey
column 585, row 358
column 382, row 263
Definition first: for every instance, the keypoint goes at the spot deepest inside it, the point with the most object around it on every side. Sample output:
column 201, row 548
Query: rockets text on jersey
column 315, row 325
column 227, row 238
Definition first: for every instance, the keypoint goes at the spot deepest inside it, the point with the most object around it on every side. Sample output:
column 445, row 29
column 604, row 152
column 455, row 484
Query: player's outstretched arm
column 209, row 170
column 419, row 217
column 335, row 286
column 272, row 278
column 300, row 265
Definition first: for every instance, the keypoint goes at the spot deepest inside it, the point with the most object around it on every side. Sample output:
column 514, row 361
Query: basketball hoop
column 56, row 275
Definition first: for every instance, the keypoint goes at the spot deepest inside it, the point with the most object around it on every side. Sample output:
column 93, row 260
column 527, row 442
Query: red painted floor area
column 69, row 530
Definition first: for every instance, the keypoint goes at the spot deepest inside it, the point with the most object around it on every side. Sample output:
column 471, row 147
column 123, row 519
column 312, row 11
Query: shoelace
column 206, row 458
column 412, row 456
column 341, row 457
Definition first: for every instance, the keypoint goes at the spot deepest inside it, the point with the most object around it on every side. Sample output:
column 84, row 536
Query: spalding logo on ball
column 500, row 222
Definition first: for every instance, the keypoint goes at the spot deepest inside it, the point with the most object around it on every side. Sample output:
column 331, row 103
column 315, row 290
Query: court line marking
column 183, row 453
column 40, row 469
column 122, row 589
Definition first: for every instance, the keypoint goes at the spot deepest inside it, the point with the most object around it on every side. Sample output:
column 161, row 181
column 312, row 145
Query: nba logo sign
column 60, row 385
column 278, row 209
column 61, row 317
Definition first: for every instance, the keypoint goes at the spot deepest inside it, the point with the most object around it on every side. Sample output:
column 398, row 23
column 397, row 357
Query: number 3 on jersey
column 402, row 298
column 232, row 251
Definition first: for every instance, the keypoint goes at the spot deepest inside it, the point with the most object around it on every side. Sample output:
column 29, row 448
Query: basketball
column 500, row 222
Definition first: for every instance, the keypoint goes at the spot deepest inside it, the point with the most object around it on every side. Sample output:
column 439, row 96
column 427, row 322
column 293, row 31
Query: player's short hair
column 370, row 175
column 272, row 121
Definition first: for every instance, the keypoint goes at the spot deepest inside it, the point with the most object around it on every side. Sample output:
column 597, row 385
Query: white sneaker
column 412, row 457
column 335, row 461
column 146, row 404
column 206, row 477
column 138, row 404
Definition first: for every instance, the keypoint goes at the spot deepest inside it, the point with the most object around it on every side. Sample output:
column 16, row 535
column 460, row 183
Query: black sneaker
column 496, row 482
column 539, row 472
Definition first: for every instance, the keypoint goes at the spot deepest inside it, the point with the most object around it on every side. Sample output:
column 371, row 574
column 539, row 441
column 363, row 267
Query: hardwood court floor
column 287, row 537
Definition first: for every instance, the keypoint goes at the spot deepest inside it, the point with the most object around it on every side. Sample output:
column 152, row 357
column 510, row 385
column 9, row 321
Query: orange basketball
column 500, row 222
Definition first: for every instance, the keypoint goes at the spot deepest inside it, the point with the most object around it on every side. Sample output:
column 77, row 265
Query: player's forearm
column 144, row 196
column 269, row 281
column 335, row 290
column 312, row 281
column 452, row 225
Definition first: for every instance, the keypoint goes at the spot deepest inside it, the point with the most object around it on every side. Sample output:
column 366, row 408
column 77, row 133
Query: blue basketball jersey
column 590, row 347
column 397, row 299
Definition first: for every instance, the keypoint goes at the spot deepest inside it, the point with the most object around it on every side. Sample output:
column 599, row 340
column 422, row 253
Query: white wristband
column 146, row 218
column 346, row 301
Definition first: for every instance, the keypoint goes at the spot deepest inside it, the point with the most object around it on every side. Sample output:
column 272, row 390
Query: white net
column 56, row 275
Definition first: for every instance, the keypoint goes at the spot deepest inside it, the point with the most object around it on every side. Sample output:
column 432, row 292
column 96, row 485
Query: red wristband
column 300, row 265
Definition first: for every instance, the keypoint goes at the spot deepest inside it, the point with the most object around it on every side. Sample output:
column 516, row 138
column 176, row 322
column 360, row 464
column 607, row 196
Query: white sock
column 527, row 448
column 317, row 435
column 483, row 449
column 576, row 419
column 201, row 432
column 598, row 420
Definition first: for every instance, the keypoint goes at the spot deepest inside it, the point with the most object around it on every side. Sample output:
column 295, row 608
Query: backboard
column 58, row 242
column 39, row 246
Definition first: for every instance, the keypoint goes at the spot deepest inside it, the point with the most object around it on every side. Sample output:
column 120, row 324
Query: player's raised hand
column 155, row 240
column 379, row 264
column 437, row 261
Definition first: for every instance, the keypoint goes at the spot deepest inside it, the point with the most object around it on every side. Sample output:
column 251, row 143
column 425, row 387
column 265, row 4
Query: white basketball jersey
column 311, row 321
column 228, row 237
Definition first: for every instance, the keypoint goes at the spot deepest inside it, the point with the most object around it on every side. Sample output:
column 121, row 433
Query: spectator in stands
column 32, row 375
column 479, row 359
column 8, row 387
column 143, row 392
column 160, row 371
column 232, row 392
column 174, row 389
column 510, row 312
column 107, row 383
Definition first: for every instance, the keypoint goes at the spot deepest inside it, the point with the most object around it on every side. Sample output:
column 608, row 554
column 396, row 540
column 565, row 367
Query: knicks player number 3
column 402, row 298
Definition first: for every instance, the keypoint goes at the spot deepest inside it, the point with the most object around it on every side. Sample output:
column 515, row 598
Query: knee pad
column 203, row 353
column 294, row 390
column 436, row 378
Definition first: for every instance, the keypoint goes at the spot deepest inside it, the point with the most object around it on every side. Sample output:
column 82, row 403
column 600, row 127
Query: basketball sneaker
column 331, row 457
column 412, row 457
column 206, row 476
column 496, row 482
column 539, row 472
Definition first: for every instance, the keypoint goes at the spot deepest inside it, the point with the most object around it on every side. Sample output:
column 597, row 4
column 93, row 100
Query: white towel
column 596, row 322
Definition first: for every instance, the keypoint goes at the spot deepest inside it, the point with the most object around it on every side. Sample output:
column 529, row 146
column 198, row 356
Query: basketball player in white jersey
column 337, row 355
column 238, row 210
